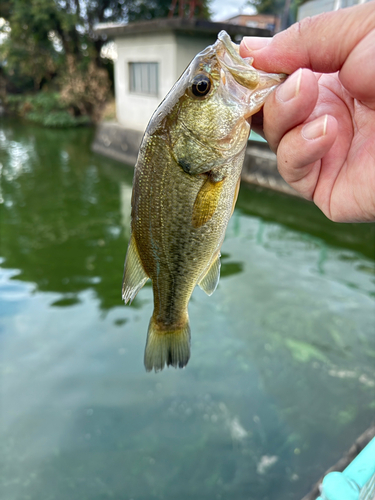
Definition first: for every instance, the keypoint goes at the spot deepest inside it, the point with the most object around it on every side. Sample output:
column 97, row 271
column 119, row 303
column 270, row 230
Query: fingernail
column 255, row 42
column 316, row 128
column 290, row 88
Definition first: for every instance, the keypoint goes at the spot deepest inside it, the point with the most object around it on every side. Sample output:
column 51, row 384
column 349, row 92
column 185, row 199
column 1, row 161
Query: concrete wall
column 172, row 51
column 188, row 47
column 314, row 7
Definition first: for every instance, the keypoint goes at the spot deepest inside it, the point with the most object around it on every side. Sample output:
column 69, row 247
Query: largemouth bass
column 185, row 187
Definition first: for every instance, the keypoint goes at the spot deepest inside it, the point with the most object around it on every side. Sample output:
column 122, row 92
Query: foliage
column 45, row 108
column 41, row 34
column 53, row 43
column 138, row 10
column 275, row 7
column 109, row 111
column 84, row 89
column 27, row 65
column 268, row 6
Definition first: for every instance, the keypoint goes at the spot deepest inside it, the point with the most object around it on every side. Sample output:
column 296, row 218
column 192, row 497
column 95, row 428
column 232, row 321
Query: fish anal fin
column 206, row 202
column 167, row 347
column 210, row 280
column 134, row 274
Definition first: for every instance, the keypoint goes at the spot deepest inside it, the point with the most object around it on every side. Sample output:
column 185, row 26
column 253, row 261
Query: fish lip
column 227, row 54
column 231, row 48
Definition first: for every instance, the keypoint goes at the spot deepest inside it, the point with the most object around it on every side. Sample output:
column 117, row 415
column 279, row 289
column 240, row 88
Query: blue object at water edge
column 356, row 482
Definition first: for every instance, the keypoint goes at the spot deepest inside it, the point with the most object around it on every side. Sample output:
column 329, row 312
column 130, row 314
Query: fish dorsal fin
column 134, row 274
column 210, row 280
column 206, row 202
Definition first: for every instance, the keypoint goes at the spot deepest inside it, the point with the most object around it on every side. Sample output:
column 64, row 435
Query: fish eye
column 201, row 85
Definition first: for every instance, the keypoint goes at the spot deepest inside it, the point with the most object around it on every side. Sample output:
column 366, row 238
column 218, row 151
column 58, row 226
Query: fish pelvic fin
column 206, row 202
column 211, row 278
column 134, row 274
column 167, row 347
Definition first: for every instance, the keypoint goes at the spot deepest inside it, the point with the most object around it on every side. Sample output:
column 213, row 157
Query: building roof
column 252, row 16
column 260, row 21
column 177, row 24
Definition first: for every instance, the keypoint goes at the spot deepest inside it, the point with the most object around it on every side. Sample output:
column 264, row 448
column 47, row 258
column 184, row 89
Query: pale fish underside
column 185, row 187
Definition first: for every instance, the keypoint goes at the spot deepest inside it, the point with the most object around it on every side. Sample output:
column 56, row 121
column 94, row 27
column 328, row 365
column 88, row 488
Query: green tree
column 285, row 9
column 268, row 6
column 53, row 44
column 43, row 33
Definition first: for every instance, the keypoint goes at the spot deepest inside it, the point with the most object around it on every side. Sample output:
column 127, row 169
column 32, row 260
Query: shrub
column 45, row 108
column 84, row 88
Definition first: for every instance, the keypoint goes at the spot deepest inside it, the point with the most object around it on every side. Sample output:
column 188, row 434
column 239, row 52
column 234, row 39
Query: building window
column 143, row 78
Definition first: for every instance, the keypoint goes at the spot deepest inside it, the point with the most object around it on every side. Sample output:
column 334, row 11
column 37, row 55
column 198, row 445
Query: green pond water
column 282, row 375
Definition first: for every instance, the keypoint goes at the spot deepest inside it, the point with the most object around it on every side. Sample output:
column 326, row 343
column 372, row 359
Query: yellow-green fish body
column 185, row 187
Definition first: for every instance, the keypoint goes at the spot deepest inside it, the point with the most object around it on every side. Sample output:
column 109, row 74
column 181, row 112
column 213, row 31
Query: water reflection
column 125, row 196
column 62, row 223
column 281, row 379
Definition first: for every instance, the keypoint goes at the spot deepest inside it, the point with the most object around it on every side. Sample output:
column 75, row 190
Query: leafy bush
column 60, row 119
column 85, row 88
column 45, row 108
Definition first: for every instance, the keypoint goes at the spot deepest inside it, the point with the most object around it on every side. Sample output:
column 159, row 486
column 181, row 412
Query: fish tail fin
column 167, row 347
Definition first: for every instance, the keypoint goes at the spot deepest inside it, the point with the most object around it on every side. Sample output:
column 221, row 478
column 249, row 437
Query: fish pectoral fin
column 134, row 274
column 210, row 280
column 206, row 202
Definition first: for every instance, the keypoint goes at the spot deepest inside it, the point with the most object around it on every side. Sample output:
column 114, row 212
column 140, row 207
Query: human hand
column 321, row 121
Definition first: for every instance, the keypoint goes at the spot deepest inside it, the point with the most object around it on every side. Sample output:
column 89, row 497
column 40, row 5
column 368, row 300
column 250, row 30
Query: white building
column 152, row 55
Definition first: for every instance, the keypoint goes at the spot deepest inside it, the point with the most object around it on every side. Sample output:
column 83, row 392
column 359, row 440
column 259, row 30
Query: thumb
column 321, row 43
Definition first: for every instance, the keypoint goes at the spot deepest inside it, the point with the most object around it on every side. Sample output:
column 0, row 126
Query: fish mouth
column 240, row 69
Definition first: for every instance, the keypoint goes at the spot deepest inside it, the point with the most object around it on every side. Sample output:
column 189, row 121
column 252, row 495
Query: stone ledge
column 260, row 167
column 121, row 144
column 117, row 142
